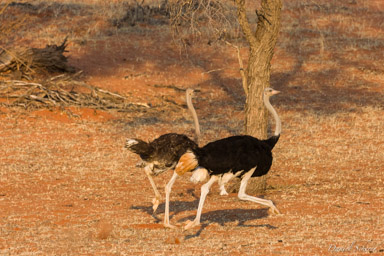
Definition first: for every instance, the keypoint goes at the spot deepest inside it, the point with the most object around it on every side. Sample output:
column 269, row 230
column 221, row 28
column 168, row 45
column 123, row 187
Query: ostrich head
column 269, row 91
column 189, row 92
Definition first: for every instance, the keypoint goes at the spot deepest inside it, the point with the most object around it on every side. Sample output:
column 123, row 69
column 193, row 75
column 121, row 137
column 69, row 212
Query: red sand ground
column 68, row 187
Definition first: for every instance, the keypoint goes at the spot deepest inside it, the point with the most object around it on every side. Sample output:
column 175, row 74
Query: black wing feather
column 236, row 153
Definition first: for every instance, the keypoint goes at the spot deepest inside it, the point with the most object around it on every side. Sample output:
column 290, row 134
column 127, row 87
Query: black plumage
column 237, row 153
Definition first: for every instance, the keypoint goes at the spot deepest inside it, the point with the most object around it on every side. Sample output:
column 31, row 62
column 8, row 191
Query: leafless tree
column 226, row 19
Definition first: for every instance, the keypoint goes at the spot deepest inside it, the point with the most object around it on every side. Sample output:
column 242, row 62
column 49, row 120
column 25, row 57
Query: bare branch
column 242, row 72
column 244, row 24
column 212, row 19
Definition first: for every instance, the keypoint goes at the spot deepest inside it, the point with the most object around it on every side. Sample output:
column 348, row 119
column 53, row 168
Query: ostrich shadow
column 175, row 207
column 221, row 217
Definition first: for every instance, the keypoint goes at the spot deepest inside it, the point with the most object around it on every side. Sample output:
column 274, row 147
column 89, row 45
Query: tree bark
column 261, row 43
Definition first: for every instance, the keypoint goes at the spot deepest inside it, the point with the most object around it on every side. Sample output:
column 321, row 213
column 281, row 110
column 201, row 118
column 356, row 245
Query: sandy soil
column 68, row 187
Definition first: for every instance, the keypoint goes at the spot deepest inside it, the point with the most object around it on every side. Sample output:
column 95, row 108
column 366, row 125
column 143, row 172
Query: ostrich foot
column 274, row 210
column 191, row 224
column 223, row 193
column 155, row 203
column 167, row 225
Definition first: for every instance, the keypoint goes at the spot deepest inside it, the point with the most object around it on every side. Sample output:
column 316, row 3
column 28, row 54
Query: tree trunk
column 258, row 73
column 261, row 43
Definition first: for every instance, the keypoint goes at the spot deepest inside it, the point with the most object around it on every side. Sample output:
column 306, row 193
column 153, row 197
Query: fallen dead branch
column 62, row 91
column 35, row 60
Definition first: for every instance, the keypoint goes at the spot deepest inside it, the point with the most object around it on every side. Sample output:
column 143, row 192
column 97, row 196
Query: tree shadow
column 336, row 81
column 299, row 39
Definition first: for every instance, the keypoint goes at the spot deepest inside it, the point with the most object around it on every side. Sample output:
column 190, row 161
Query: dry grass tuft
column 9, row 24
column 173, row 240
column 104, row 230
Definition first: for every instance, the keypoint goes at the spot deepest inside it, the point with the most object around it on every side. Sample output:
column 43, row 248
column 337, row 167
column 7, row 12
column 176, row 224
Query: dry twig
column 62, row 91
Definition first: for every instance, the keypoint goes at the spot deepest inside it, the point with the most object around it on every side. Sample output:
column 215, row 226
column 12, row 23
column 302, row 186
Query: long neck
column 194, row 115
column 274, row 113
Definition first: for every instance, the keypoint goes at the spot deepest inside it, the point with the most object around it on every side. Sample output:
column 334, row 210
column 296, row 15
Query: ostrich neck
column 274, row 113
column 194, row 115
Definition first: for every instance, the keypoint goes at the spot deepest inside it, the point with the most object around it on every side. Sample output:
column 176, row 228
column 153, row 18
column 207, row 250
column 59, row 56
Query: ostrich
column 237, row 156
column 163, row 153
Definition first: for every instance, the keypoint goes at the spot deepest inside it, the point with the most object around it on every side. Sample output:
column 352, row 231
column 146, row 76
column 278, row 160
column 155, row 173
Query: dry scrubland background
column 67, row 186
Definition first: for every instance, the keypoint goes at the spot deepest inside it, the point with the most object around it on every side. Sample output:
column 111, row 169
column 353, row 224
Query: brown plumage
column 163, row 153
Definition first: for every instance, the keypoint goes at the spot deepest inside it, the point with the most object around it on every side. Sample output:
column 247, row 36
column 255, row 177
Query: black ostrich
column 222, row 160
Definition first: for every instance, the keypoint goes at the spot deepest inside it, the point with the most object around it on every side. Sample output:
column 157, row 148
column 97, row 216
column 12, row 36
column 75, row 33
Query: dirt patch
column 67, row 185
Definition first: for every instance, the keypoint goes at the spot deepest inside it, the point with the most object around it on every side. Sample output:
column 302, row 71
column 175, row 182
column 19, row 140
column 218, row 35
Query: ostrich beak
column 275, row 92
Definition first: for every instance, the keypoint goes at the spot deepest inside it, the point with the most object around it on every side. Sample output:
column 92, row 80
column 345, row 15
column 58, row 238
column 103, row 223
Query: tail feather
column 272, row 141
column 139, row 147
column 131, row 142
